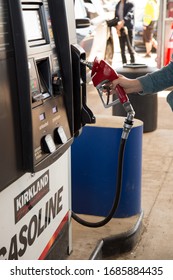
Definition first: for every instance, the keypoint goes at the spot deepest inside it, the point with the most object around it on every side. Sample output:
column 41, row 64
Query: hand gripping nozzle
column 102, row 75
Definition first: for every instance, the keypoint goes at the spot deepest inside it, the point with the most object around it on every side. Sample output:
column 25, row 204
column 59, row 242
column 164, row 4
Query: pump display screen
column 32, row 24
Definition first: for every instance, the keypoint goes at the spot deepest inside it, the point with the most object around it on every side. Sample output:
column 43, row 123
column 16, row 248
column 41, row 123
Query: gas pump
column 42, row 108
column 37, row 129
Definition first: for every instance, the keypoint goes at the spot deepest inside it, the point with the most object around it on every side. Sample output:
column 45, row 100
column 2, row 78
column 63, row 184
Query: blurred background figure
column 124, row 13
column 150, row 18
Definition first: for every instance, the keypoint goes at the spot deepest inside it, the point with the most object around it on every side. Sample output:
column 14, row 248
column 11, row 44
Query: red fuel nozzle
column 102, row 74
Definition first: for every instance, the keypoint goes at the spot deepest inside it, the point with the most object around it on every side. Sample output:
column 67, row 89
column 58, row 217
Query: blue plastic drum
column 94, row 168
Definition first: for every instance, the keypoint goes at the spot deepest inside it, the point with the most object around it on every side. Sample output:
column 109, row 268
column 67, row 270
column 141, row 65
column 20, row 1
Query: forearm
column 150, row 83
column 158, row 80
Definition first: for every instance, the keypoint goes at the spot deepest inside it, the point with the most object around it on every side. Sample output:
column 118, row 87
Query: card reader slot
column 43, row 67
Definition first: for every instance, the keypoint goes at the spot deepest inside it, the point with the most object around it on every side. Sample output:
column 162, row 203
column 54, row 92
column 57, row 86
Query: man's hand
column 129, row 85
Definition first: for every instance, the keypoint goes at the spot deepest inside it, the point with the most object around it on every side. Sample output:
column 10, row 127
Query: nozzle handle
column 122, row 94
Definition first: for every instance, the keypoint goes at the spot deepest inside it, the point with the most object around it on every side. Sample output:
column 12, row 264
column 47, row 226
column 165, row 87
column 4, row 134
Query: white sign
column 32, row 209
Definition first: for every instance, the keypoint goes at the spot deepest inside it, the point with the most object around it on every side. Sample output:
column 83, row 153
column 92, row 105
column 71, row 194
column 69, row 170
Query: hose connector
column 128, row 123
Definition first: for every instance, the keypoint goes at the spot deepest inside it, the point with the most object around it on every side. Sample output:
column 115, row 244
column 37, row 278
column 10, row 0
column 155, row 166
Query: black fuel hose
column 117, row 193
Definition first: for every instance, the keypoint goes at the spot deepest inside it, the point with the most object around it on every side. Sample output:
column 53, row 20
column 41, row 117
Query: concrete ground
column 156, row 236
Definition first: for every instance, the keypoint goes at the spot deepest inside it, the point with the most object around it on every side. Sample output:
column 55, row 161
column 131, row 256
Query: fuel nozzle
column 87, row 63
column 102, row 75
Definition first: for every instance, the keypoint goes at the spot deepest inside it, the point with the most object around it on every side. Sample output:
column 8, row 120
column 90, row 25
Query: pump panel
column 45, row 106
column 36, row 96
column 49, row 116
